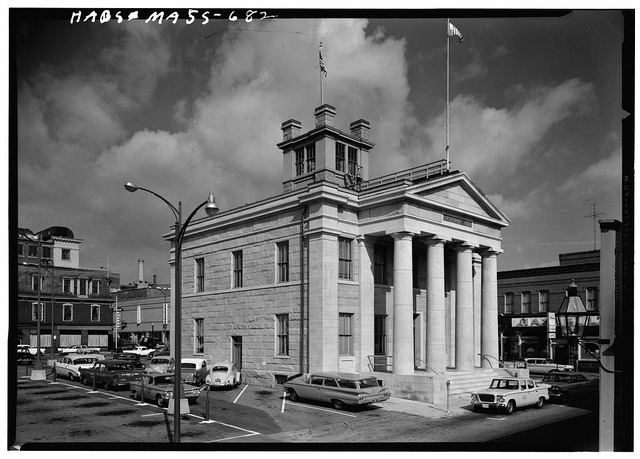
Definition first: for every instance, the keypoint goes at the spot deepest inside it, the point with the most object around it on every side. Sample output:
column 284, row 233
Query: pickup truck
column 110, row 374
column 159, row 388
column 77, row 349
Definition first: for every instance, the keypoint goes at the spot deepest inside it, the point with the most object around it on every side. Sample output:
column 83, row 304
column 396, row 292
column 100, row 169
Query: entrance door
column 237, row 351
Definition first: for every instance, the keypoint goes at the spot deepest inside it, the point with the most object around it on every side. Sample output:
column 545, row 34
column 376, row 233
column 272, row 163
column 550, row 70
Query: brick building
column 395, row 275
column 75, row 301
column 528, row 300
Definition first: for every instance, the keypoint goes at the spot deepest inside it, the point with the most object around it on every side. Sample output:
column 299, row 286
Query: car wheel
column 540, row 402
column 564, row 398
column 239, row 380
column 108, row 386
column 511, row 407
column 136, row 396
column 337, row 404
column 70, row 377
column 85, row 381
column 294, row 395
column 159, row 400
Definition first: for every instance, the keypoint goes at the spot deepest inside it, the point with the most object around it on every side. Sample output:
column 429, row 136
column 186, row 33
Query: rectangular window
column 34, row 283
column 340, row 157
column 46, row 252
column 380, row 264
column 344, row 258
column 345, row 334
column 95, row 313
column 380, row 335
column 299, row 161
column 83, row 287
column 199, row 338
column 66, row 254
column 138, row 315
column 67, row 285
column 34, row 312
column 67, row 312
column 200, row 275
column 95, row 287
column 20, row 250
column 33, row 250
column 508, row 303
column 311, row 158
column 525, row 298
column 353, row 160
column 592, row 299
column 282, row 334
column 543, row 300
column 237, row 268
column 283, row 261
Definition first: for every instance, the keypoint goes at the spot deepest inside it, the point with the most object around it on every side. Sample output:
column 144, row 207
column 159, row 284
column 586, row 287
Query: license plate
column 485, row 405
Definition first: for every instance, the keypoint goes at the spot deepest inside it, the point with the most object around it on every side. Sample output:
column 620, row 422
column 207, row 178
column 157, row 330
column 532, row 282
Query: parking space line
column 496, row 419
column 284, row 397
column 323, row 409
column 242, row 392
column 237, row 436
column 151, row 414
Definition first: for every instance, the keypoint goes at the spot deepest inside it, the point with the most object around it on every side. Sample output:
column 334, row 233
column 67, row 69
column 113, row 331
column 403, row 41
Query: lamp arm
column 176, row 214
column 606, row 370
column 186, row 223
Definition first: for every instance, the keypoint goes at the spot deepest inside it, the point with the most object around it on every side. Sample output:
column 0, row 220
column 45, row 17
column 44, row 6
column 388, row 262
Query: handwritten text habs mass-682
column 158, row 16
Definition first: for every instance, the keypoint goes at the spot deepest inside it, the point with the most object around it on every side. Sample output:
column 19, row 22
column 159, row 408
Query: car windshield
column 81, row 361
column 120, row 366
column 188, row 366
column 157, row 361
column 164, row 380
column 511, row 384
column 219, row 368
column 369, row 382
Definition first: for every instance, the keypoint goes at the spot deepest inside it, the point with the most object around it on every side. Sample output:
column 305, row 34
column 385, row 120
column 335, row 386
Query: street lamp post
column 38, row 372
column 211, row 209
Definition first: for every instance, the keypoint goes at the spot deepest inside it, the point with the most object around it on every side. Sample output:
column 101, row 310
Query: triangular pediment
column 460, row 196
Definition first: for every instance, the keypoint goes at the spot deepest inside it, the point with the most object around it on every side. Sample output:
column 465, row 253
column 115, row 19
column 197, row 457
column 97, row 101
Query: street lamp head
column 211, row 208
column 130, row 187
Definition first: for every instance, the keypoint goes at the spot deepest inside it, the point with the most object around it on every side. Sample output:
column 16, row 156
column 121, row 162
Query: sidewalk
column 457, row 407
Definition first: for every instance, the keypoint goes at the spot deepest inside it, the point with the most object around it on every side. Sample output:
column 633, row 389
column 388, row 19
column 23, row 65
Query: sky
column 185, row 109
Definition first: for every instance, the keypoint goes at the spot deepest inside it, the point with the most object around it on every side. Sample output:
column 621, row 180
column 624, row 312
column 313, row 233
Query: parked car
column 162, row 364
column 511, row 393
column 142, row 351
column 223, row 374
column 110, row 374
column 159, row 387
column 94, row 352
column 567, row 385
column 71, row 364
column 193, row 370
column 29, row 349
column 134, row 359
column 125, row 346
column 76, row 349
column 161, row 351
column 25, row 357
column 337, row 388
column 538, row 366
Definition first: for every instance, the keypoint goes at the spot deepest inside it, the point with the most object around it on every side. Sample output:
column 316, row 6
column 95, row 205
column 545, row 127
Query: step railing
column 501, row 364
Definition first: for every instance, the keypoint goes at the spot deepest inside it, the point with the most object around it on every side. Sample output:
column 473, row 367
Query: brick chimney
column 325, row 115
column 360, row 129
column 290, row 129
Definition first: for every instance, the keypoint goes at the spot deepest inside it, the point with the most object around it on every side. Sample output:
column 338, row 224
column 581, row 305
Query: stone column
column 402, row 304
column 489, row 333
column 464, row 309
column 323, row 302
column 436, row 319
column 366, row 304
column 477, row 308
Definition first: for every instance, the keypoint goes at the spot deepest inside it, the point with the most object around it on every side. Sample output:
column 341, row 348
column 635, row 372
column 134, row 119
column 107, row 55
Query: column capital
column 433, row 240
column 463, row 246
column 490, row 252
column 402, row 235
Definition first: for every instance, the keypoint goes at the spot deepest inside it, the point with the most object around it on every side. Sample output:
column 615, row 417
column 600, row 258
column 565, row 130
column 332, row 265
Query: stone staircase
column 463, row 383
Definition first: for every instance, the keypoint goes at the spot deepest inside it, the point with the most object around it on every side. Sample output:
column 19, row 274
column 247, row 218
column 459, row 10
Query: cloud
column 599, row 181
column 492, row 142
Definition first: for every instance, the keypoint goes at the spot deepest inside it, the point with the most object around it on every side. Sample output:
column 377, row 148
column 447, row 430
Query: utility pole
column 594, row 215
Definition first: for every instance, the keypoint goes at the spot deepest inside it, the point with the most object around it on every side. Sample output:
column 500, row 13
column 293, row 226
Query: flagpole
column 447, row 121
column 320, row 75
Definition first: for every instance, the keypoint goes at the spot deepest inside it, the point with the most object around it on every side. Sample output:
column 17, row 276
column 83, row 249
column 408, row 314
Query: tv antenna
column 594, row 215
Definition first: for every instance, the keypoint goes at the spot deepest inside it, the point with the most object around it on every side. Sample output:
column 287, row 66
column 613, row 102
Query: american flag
column 323, row 69
column 454, row 32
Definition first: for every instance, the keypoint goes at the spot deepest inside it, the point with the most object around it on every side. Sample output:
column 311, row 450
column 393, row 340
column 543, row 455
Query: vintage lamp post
column 211, row 209
column 572, row 318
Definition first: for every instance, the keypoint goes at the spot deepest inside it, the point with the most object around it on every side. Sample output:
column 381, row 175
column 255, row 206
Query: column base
column 38, row 375
column 184, row 407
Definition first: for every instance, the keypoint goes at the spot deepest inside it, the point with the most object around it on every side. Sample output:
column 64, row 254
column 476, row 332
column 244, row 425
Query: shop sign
column 551, row 323
column 529, row 322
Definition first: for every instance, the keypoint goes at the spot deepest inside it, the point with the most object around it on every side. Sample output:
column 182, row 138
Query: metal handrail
column 425, row 364
column 415, row 173
column 504, row 365
column 372, row 364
